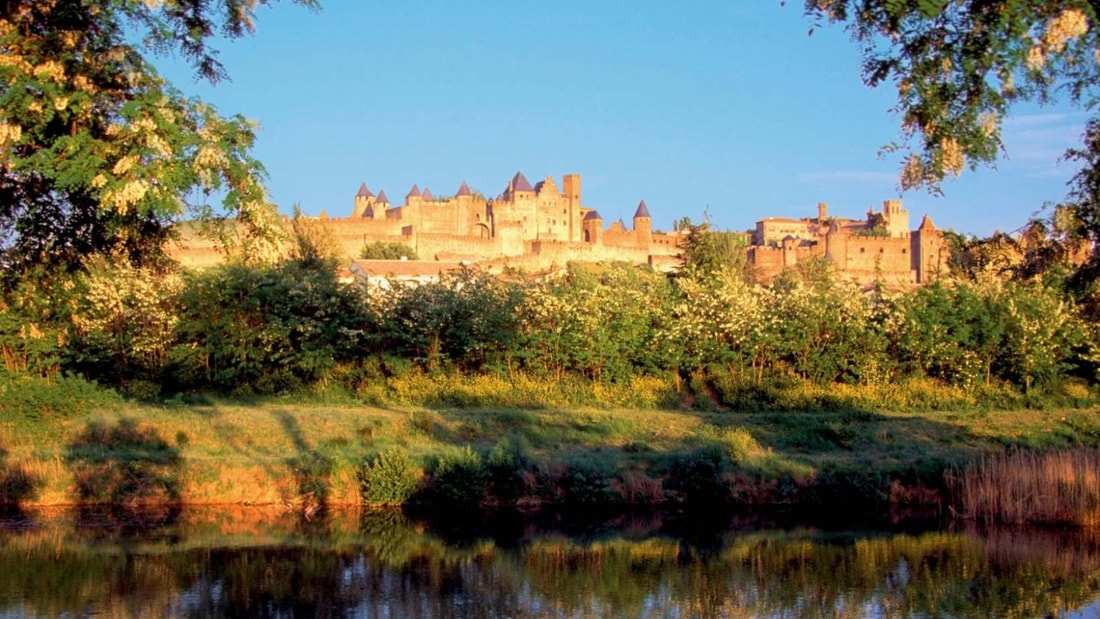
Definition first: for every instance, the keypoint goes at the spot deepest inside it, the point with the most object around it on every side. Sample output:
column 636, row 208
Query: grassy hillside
column 305, row 455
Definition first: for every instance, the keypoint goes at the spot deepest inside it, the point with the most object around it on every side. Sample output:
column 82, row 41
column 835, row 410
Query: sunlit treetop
column 98, row 153
column 959, row 65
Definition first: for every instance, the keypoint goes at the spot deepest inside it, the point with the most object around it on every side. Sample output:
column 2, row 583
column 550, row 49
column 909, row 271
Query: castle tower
column 464, row 191
column 571, row 189
column 836, row 246
column 414, row 196
column 362, row 200
column 520, row 188
column 427, row 195
column 592, row 227
column 897, row 218
column 643, row 226
column 926, row 251
column 789, row 245
column 380, row 206
column 822, row 212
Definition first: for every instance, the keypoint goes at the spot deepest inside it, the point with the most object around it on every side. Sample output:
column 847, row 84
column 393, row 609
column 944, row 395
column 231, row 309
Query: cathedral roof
column 519, row 183
column 427, row 195
column 464, row 190
column 382, row 197
column 364, row 192
column 593, row 215
column 642, row 210
column 414, row 192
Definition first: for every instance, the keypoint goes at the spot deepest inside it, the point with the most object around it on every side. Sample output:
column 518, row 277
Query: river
column 250, row 562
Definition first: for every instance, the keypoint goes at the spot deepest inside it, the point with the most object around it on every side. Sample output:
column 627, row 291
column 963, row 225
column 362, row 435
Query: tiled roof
column 364, row 192
column 519, row 183
column 414, row 192
column 926, row 223
column 642, row 210
column 464, row 190
column 427, row 195
column 382, row 197
column 592, row 215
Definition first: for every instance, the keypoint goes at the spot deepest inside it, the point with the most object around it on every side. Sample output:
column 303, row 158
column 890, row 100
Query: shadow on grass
column 17, row 484
column 312, row 469
column 124, row 464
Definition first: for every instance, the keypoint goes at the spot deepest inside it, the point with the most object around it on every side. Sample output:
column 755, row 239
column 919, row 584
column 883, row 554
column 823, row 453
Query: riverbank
column 309, row 455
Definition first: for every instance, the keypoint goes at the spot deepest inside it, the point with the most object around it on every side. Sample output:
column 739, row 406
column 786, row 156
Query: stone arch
column 481, row 231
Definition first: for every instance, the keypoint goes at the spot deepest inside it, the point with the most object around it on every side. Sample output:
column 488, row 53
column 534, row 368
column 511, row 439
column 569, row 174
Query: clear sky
column 717, row 106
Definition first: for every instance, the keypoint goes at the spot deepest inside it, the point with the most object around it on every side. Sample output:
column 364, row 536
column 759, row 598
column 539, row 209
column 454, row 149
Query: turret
column 362, row 200
column 414, row 196
column 822, row 212
column 571, row 189
column 897, row 218
column 643, row 226
column 592, row 226
column 380, row 206
column 464, row 191
column 926, row 250
column 519, row 188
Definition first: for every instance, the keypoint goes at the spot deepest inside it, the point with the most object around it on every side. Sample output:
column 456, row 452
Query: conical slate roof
column 926, row 223
column 519, row 183
column 464, row 190
column 382, row 197
column 592, row 215
column 364, row 192
column 414, row 192
column 642, row 210
column 427, row 195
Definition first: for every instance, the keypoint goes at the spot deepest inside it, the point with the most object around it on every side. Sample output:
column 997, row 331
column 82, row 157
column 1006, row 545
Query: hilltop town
column 537, row 227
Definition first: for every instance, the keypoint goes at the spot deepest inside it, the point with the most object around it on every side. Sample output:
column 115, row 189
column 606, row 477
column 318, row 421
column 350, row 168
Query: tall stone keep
column 643, row 226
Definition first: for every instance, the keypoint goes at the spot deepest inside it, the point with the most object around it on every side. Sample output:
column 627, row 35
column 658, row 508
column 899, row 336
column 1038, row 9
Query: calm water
column 255, row 563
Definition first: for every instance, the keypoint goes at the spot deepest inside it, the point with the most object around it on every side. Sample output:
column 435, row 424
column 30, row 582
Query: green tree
column 959, row 65
column 383, row 250
column 98, row 153
column 707, row 252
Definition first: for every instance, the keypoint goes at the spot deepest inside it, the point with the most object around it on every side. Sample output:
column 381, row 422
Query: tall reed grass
column 1056, row 487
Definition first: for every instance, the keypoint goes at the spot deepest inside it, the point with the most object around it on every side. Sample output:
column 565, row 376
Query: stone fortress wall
column 541, row 227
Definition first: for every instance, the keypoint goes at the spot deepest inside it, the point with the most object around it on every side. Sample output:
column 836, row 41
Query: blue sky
column 727, row 108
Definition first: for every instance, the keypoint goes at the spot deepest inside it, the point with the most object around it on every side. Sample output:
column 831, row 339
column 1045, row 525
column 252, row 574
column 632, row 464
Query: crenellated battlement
column 545, row 223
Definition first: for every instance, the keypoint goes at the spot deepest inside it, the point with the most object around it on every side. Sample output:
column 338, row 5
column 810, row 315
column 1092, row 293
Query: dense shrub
column 697, row 477
column 390, row 478
column 264, row 329
column 509, row 462
column 459, row 479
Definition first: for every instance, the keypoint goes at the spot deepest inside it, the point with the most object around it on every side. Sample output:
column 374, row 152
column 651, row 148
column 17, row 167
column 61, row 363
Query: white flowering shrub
column 124, row 322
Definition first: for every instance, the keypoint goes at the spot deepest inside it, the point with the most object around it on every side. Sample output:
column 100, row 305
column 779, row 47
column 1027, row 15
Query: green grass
column 284, row 451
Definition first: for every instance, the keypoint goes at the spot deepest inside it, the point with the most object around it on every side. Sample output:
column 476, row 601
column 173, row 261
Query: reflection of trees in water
column 388, row 564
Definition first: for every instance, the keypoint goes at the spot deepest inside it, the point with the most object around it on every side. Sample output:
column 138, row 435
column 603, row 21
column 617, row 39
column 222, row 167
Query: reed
column 1017, row 487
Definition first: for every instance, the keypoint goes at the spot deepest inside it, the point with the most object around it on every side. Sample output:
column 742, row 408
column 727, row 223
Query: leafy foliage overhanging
column 98, row 153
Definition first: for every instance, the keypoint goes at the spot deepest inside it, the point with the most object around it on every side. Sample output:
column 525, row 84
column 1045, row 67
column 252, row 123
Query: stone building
column 880, row 248
column 540, row 227
column 524, row 226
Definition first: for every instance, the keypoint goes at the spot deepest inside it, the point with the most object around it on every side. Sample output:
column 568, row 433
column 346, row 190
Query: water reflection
column 248, row 562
